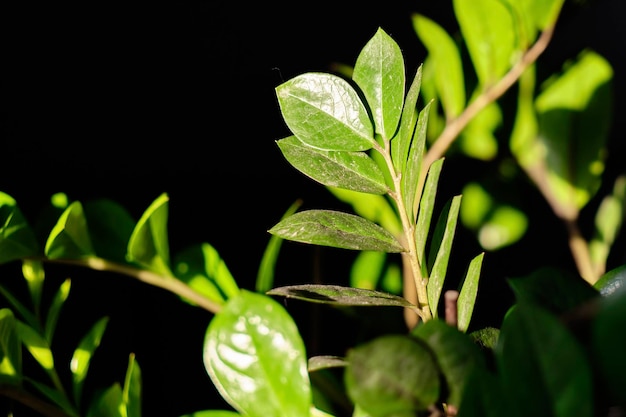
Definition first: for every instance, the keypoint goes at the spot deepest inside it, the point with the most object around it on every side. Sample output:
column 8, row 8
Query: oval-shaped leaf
column 325, row 112
column 379, row 72
column 256, row 358
column 69, row 238
column 350, row 170
column 544, row 369
column 338, row 295
column 392, row 375
column 336, row 229
column 149, row 244
column 17, row 239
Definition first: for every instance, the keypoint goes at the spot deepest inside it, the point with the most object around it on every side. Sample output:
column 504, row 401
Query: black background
column 127, row 100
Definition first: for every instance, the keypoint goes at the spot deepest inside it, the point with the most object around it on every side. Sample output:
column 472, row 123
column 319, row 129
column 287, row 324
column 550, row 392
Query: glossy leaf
column 486, row 29
column 81, row 359
column 149, row 244
column 401, row 143
column 350, row 170
column 612, row 280
column 10, row 349
column 373, row 207
column 69, row 239
column 410, row 180
column 442, row 246
column 265, row 274
column 336, row 229
column 338, row 295
column 17, row 239
column 544, row 369
column 110, row 226
column 203, row 269
column 256, row 358
column 574, row 114
column 555, row 290
column 447, row 67
column 379, row 72
column 468, row 293
column 325, row 112
column 426, row 207
column 456, row 354
column 392, row 375
column 609, row 342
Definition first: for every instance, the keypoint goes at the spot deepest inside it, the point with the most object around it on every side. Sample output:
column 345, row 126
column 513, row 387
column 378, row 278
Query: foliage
column 559, row 350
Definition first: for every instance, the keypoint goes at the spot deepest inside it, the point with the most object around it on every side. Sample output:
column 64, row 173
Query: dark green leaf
column 611, row 281
column 109, row 403
column 110, row 227
column 17, row 239
column 350, row 170
column 426, row 208
column 55, row 309
column 334, row 294
column 402, row 141
column 132, row 388
column 456, row 354
column 392, row 375
column 256, row 359
column 325, row 112
column 379, row 72
column 410, row 181
column 336, row 229
column 484, row 396
column 486, row 338
column 544, row 369
column 10, row 349
column 69, row 239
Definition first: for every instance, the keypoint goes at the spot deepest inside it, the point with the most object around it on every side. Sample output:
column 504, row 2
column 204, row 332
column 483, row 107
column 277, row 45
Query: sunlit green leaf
column 36, row 345
column 440, row 250
column 379, row 72
column 17, row 239
column 132, row 388
column 350, row 170
column 203, row 269
column 325, row 112
column 478, row 139
column 544, row 369
column 468, row 293
column 81, row 359
column 367, row 269
column 336, row 229
column 338, row 295
column 392, row 375
column 608, row 223
column 149, row 244
column 256, row 359
column 445, row 58
column 55, row 309
column 486, row 29
column 456, row 354
column 109, row 403
column 70, row 238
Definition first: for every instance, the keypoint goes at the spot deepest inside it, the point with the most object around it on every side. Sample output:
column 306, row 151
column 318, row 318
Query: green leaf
column 376, row 208
column 608, row 223
column 442, row 244
column 213, row 413
column 611, row 281
column 17, row 239
column 486, row 29
column 149, row 245
column 553, row 289
column 110, row 227
column 203, row 269
column 574, row 114
column 410, row 180
column 544, row 369
column 256, row 358
column 445, row 58
column 265, row 275
column 379, row 72
column 81, row 359
column 350, row 170
column 317, row 363
column 109, row 403
column 486, row 338
column 609, row 342
column 58, row 398
column 338, row 295
column 392, row 375
column 55, row 309
column 36, row 345
column 366, row 270
column 468, row 293
column 10, row 350
column 484, row 396
column 402, row 141
column 544, row 13
column 336, row 229
column 69, row 239
column 426, row 208
column 132, row 388
column 456, row 354
column 35, row 276
column 325, row 112
column 478, row 139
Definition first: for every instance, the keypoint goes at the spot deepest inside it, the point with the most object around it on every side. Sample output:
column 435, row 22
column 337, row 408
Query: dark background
column 128, row 100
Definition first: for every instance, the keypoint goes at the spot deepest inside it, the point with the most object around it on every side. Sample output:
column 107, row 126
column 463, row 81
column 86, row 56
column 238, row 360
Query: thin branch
column 29, row 400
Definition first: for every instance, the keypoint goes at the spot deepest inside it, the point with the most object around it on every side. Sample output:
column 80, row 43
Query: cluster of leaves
column 559, row 349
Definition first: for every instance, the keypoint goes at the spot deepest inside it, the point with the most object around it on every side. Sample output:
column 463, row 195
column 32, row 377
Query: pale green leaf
column 379, row 72
column 350, row 170
column 81, row 359
column 336, row 229
column 36, row 345
column 256, row 358
column 325, row 112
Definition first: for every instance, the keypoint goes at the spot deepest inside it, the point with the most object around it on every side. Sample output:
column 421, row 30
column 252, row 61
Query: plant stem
column 29, row 400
